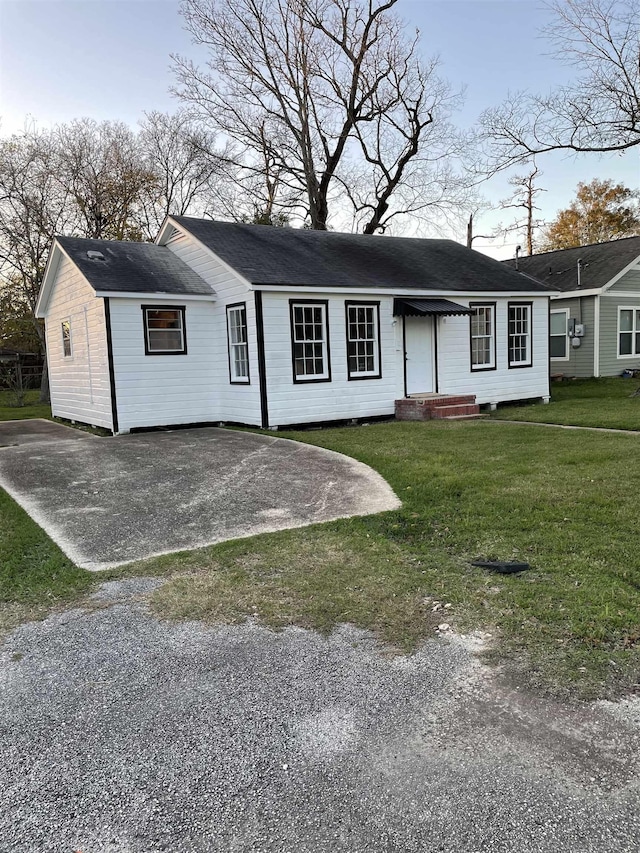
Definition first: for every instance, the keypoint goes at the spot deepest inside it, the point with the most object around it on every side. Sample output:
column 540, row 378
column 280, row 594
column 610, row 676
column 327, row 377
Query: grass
column 563, row 501
column 584, row 402
column 32, row 408
column 35, row 576
column 469, row 490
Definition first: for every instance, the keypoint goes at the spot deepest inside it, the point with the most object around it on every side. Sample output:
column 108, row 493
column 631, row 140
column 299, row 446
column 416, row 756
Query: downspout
column 596, row 336
column 436, row 325
column 404, row 353
column 112, row 375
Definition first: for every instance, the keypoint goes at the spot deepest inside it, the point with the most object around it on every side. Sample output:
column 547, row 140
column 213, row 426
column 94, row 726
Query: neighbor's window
column 310, row 341
column 483, row 337
column 66, row 338
column 363, row 340
column 520, row 334
column 237, row 341
column 628, row 331
column 558, row 338
column 164, row 332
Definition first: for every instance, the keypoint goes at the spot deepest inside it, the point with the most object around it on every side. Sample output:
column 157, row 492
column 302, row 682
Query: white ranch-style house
column 250, row 324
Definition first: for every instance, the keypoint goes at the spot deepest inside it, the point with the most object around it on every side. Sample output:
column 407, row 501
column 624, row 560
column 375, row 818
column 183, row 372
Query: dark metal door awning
column 425, row 307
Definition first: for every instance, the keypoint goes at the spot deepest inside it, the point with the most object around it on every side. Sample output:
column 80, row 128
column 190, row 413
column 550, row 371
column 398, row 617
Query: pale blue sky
column 109, row 59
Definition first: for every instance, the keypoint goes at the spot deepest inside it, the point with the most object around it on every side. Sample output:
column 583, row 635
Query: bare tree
column 523, row 198
column 184, row 160
column 100, row 165
column 599, row 111
column 33, row 208
column 332, row 92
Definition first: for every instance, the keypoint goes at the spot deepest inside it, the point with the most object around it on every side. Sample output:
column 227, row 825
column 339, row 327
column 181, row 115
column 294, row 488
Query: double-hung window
column 238, row 343
column 363, row 340
column 310, row 341
column 628, row 331
column 519, row 333
column 164, row 330
column 483, row 336
column 66, row 338
column 558, row 335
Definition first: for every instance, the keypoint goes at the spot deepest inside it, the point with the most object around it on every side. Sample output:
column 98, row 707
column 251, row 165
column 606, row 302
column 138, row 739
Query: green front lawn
column 584, row 402
column 562, row 501
column 32, row 408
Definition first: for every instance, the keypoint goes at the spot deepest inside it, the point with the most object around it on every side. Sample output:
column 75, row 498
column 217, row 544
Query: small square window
column 164, row 330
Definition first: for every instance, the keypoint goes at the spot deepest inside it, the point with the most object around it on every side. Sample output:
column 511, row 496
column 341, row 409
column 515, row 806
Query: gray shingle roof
column 133, row 268
column 600, row 263
column 265, row 255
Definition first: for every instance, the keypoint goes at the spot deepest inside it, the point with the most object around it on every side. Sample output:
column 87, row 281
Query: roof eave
column 145, row 294
column 572, row 294
column 56, row 253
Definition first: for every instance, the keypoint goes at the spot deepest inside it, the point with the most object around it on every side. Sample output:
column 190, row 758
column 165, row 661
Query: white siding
column 306, row 402
column 503, row 383
column 80, row 388
column 158, row 390
column 234, row 403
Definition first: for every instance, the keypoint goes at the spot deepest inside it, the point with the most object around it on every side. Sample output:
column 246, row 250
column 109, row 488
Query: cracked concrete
column 109, row 501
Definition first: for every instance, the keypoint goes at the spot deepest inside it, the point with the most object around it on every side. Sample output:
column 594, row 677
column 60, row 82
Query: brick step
column 459, row 410
column 445, row 399
column 464, row 417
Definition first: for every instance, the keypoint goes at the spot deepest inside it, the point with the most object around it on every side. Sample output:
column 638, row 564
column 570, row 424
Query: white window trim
column 66, row 322
column 234, row 377
column 376, row 372
column 528, row 362
column 325, row 376
column 566, row 357
column 491, row 365
column 633, row 332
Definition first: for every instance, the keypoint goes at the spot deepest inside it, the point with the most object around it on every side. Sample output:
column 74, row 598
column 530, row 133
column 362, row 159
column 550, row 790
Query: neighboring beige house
column 595, row 319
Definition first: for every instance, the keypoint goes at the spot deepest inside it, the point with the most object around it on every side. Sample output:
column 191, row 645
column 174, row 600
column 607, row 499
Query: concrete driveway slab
column 120, row 733
column 108, row 501
column 37, row 430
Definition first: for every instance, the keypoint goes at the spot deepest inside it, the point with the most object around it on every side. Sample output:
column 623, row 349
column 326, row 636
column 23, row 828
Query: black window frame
column 238, row 306
column 494, row 310
column 519, row 365
column 313, row 378
column 145, row 329
column 355, row 376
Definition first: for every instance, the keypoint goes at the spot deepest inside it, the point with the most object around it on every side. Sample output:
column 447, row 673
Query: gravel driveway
column 108, row 501
column 120, row 733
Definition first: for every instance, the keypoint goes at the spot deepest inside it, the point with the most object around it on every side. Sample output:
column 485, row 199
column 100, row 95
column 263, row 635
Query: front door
column 418, row 336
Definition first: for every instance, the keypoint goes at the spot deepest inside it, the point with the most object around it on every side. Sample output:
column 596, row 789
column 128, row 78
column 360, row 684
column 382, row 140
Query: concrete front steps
column 426, row 407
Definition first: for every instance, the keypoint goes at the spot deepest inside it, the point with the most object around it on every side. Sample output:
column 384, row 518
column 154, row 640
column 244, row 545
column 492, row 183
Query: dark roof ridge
column 269, row 255
column 572, row 248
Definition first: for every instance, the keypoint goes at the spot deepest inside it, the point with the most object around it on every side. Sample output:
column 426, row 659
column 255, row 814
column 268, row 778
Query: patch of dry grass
column 314, row 578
